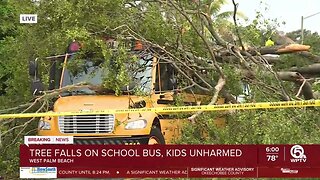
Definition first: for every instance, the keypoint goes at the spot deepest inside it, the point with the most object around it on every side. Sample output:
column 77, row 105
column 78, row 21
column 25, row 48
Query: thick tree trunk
column 313, row 69
column 310, row 56
column 297, row 78
column 282, row 39
column 281, row 49
column 233, row 59
column 289, row 76
column 306, row 90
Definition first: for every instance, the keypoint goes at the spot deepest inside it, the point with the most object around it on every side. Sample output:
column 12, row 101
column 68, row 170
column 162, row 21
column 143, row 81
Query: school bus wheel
column 156, row 137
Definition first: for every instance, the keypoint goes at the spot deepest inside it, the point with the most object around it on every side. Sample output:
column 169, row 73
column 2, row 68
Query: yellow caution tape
column 260, row 105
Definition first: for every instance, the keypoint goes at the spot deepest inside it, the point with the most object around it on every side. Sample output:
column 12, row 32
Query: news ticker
column 174, row 109
column 157, row 161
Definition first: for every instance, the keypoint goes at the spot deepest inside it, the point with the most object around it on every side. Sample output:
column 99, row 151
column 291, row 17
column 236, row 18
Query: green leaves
column 117, row 76
column 77, row 33
column 7, row 14
column 91, row 22
column 233, row 79
column 280, row 126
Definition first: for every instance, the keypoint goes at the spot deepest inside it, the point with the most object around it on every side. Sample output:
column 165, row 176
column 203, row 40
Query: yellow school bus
column 157, row 82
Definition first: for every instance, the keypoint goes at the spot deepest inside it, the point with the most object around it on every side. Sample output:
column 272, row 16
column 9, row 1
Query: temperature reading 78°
column 272, row 153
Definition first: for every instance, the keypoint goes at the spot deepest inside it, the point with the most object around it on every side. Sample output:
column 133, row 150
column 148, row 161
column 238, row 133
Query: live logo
column 28, row 18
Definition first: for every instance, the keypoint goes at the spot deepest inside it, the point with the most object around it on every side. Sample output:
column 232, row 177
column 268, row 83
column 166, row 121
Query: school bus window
column 165, row 78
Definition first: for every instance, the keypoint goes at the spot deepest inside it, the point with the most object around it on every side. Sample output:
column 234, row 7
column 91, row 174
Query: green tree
column 185, row 33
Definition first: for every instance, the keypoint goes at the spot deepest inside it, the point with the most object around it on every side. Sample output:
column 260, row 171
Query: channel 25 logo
column 297, row 152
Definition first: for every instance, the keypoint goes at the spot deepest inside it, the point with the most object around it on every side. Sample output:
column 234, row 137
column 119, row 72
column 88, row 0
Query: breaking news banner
column 48, row 140
column 167, row 161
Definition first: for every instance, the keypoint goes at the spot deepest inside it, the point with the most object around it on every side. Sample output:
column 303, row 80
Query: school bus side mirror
column 37, row 87
column 33, row 68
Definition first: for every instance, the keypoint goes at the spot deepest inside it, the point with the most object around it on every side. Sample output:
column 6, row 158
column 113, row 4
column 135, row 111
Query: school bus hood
column 87, row 103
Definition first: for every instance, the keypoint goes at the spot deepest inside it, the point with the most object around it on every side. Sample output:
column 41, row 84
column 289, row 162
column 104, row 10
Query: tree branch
column 180, row 10
column 214, row 99
column 235, row 7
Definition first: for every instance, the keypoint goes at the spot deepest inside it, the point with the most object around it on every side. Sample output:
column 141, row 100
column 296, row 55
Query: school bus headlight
column 137, row 124
column 44, row 125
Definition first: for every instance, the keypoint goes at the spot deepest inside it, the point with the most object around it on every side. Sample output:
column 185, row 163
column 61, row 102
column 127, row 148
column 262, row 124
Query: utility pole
column 302, row 33
column 302, row 19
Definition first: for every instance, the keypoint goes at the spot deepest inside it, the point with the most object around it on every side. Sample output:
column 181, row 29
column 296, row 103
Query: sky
column 289, row 11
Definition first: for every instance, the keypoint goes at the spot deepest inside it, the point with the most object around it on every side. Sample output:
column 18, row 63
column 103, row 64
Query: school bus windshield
column 139, row 73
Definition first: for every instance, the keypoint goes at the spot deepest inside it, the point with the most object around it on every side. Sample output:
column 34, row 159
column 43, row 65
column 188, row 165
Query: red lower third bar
column 201, row 172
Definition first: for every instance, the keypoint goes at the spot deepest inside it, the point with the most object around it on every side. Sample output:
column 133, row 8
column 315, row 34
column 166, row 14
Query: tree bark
column 313, row 69
column 310, row 56
column 306, row 90
column 289, row 76
column 282, row 39
column 297, row 78
column 233, row 59
column 280, row 49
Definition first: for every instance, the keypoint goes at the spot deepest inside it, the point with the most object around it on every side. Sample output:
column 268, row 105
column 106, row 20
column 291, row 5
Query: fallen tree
column 186, row 34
